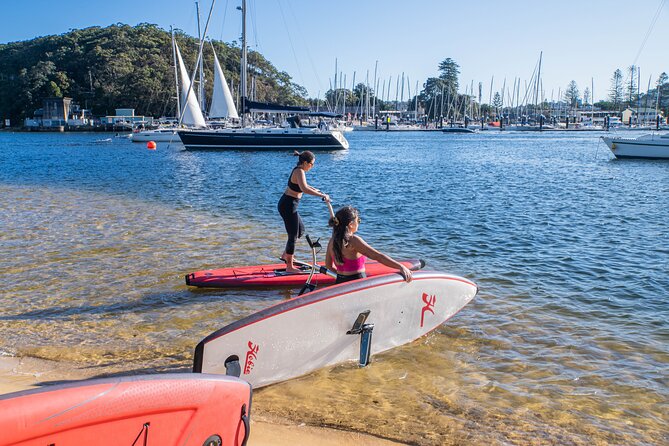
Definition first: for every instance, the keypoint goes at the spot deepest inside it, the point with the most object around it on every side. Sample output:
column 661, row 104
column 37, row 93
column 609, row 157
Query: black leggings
column 291, row 219
column 341, row 278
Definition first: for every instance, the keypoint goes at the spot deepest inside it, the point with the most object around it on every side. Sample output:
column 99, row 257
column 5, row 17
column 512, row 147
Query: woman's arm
column 363, row 248
column 329, row 264
column 302, row 182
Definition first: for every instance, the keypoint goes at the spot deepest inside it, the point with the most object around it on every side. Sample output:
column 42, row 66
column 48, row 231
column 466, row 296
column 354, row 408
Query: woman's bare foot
column 290, row 266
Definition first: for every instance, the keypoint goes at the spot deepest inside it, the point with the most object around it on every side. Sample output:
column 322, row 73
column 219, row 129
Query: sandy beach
column 18, row 374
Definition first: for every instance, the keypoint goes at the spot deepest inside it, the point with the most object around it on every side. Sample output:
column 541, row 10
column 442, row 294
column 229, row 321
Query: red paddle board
column 276, row 276
column 172, row 409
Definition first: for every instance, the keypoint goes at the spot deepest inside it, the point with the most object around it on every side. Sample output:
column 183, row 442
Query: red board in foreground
column 276, row 276
column 171, row 409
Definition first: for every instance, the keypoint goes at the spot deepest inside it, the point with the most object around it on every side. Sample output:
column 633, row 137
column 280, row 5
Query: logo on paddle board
column 251, row 356
column 429, row 306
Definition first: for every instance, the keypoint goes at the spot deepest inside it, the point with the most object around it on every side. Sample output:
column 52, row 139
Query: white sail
column 192, row 115
column 222, row 105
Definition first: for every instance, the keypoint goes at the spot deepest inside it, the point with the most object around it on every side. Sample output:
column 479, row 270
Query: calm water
column 566, row 343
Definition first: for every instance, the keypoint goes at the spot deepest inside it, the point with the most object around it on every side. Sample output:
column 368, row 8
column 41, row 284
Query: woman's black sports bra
column 293, row 186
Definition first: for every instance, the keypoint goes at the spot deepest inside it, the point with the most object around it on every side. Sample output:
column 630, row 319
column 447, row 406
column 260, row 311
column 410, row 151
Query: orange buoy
column 151, row 145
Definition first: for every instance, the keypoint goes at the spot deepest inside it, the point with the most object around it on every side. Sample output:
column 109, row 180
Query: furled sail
column 222, row 105
column 192, row 115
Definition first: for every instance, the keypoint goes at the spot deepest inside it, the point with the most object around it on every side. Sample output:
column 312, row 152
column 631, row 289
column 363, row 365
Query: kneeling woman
column 347, row 252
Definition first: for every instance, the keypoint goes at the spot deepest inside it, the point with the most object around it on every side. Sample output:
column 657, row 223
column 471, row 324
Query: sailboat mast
column 335, row 95
column 416, row 103
column 199, row 56
column 638, row 96
column 645, row 114
column 536, row 96
column 176, row 77
column 200, row 90
column 376, row 86
column 244, row 68
column 592, row 101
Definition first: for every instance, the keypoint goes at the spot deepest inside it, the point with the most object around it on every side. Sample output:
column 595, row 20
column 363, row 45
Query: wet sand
column 266, row 430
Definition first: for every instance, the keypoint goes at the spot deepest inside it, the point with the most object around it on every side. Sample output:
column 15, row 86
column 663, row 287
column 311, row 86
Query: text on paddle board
column 251, row 356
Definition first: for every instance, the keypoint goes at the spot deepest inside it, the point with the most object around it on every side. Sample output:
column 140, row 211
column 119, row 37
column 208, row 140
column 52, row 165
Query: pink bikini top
column 352, row 265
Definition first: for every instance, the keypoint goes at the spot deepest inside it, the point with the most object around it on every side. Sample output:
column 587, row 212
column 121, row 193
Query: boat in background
column 191, row 115
column 457, row 130
column 253, row 138
column 648, row 146
column 161, row 134
column 222, row 104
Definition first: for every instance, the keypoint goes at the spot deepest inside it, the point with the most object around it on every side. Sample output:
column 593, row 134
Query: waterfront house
column 641, row 115
column 58, row 113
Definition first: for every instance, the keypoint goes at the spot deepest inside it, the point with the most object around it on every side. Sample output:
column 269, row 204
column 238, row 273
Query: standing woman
column 290, row 200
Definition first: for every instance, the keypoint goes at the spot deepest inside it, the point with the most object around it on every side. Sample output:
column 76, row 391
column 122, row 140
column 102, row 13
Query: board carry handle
column 247, row 424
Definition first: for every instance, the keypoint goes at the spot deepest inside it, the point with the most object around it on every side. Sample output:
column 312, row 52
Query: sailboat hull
column 263, row 139
column 644, row 147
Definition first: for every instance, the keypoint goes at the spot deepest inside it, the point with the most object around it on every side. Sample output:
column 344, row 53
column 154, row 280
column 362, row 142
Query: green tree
column 662, row 79
column 497, row 102
column 632, row 85
column 616, row 91
column 571, row 94
column 122, row 66
column 662, row 96
column 449, row 72
column 586, row 96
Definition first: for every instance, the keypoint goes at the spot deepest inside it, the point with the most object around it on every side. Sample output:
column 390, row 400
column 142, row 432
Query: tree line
column 624, row 91
column 122, row 66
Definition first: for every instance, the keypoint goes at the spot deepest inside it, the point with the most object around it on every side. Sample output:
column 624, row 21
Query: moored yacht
column 648, row 146
column 272, row 138
column 167, row 134
column 253, row 138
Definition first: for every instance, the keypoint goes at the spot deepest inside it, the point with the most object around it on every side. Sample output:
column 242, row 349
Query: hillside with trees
column 121, row 66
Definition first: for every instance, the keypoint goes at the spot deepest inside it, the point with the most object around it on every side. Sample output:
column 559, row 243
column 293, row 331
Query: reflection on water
column 566, row 343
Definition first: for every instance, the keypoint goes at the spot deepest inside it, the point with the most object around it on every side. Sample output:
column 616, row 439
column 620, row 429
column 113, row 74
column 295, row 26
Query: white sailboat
column 192, row 115
column 257, row 138
column 222, row 104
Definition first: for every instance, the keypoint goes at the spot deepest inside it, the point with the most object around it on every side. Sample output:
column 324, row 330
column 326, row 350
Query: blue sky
column 581, row 40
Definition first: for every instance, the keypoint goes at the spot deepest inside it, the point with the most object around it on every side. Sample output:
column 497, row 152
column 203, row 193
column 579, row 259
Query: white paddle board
column 309, row 332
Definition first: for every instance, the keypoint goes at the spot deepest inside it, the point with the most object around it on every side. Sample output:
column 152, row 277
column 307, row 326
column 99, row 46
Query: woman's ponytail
column 340, row 233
